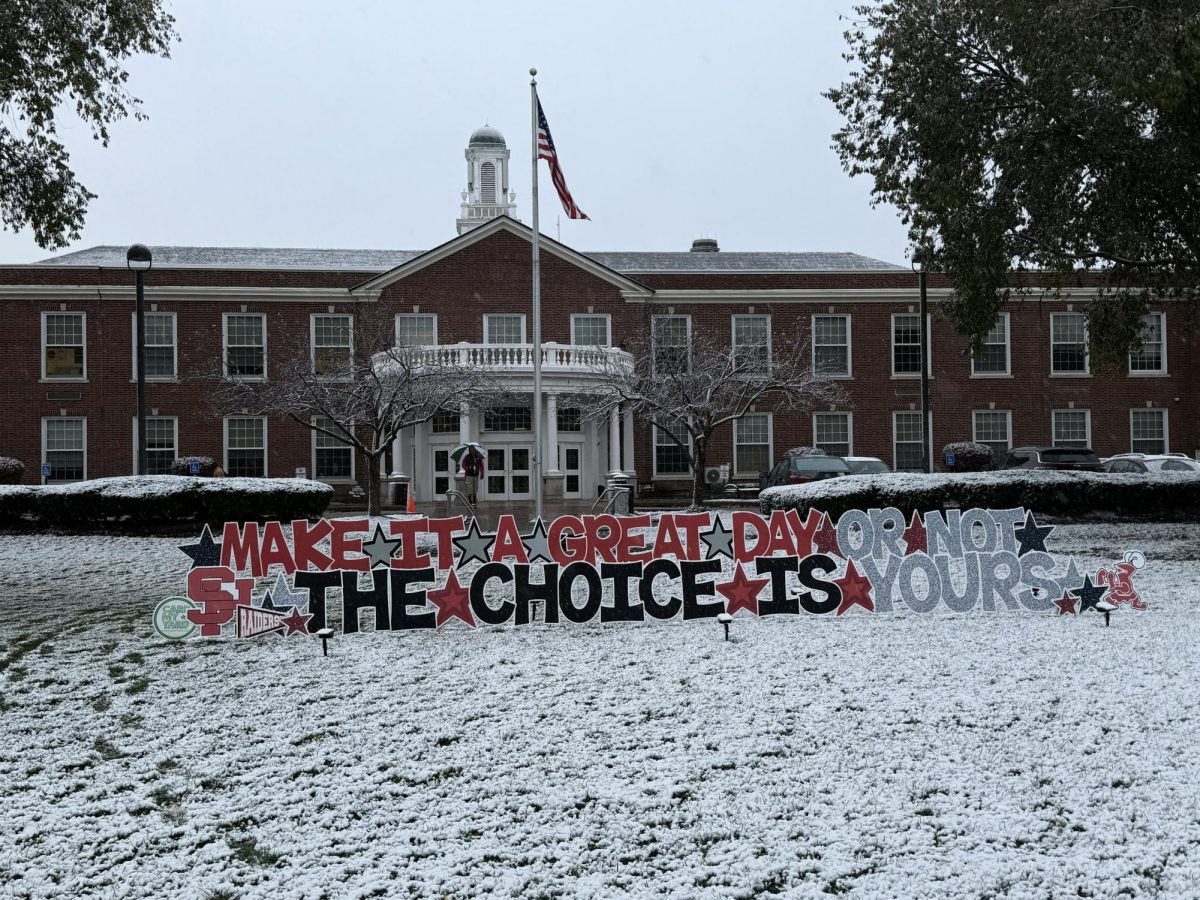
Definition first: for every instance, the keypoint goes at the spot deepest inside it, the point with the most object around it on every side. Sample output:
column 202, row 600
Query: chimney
column 705, row 245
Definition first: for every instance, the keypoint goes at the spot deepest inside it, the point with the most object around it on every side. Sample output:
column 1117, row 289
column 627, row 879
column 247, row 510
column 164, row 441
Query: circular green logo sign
column 170, row 618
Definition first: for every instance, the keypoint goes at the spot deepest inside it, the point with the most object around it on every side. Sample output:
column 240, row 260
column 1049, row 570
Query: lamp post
column 139, row 258
column 926, row 450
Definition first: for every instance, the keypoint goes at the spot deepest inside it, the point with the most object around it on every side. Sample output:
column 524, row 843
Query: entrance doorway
column 508, row 475
column 570, row 462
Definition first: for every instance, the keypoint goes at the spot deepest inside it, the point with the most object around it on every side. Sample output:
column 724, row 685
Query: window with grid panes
column 245, row 345
column 670, row 340
column 63, row 352
column 161, row 443
column 831, row 345
column 831, row 432
column 504, row 329
column 992, row 358
column 65, row 449
column 669, row 457
column 246, row 446
column 992, row 427
column 160, row 345
column 1151, row 355
column 416, row 330
column 752, row 344
column 332, row 457
column 907, row 445
column 570, row 419
column 752, row 444
column 444, row 421
column 906, row 344
column 1071, row 427
column 508, row 418
column 331, row 344
column 1148, row 431
column 1068, row 344
column 590, row 331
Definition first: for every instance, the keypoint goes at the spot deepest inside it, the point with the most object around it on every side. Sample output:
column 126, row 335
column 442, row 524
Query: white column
column 464, row 435
column 552, row 435
column 627, row 464
column 614, row 441
column 400, row 454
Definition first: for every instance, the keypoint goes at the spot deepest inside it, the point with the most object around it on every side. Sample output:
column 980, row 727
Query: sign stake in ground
column 324, row 634
column 725, row 619
column 1105, row 607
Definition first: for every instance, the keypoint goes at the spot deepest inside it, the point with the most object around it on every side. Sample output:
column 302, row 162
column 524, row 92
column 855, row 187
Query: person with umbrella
column 470, row 457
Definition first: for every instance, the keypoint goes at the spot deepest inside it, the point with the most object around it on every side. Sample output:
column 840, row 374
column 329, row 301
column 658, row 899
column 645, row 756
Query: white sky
column 295, row 123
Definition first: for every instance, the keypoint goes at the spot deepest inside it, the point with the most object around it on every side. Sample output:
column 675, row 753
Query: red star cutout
column 915, row 538
column 453, row 601
column 1066, row 604
column 742, row 592
column 296, row 622
column 856, row 590
column 825, row 537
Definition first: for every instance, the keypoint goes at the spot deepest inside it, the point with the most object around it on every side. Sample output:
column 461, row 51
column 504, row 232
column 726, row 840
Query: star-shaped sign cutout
column 1031, row 535
column 267, row 604
column 856, row 590
column 916, row 540
column 474, row 544
column 1072, row 576
column 742, row 592
column 536, row 545
column 296, row 622
column 719, row 540
column 825, row 537
column 206, row 552
column 281, row 595
column 1089, row 594
column 1066, row 604
column 453, row 601
column 379, row 549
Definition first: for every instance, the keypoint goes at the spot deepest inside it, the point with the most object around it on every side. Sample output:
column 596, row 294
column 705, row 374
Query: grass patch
column 166, row 765
column 106, row 749
column 133, row 657
column 18, row 673
column 138, row 686
column 247, row 850
column 116, row 673
column 174, row 660
column 101, row 704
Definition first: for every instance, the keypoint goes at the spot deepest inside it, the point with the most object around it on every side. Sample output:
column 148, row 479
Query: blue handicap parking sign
column 950, row 458
column 194, row 467
column 46, row 469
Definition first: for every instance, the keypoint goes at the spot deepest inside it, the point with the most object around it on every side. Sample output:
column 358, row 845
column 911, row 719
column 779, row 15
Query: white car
column 1149, row 462
column 866, row 465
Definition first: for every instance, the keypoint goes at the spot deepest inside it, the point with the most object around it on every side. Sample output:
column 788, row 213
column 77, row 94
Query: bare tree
column 355, row 385
column 690, row 387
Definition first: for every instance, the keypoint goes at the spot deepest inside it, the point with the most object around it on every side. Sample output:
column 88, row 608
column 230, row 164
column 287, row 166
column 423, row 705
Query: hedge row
column 133, row 503
column 1168, row 495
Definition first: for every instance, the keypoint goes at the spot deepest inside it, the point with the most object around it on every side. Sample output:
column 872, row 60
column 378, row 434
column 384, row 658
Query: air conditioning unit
column 716, row 476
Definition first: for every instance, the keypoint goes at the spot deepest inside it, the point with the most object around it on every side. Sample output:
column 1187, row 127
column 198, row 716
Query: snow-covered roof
column 111, row 256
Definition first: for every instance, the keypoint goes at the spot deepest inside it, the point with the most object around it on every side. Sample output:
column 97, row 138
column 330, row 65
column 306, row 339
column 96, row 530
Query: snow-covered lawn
column 1005, row 754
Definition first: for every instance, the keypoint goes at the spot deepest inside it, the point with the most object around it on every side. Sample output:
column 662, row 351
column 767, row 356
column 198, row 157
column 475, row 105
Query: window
column 416, row 330
column 1071, row 428
column 832, row 432
column 445, row 421
column 752, row 344
column 831, row 345
column 907, row 450
column 671, row 340
column 64, row 449
column 508, row 418
column 994, row 428
column 906, row 344
column 331, row 337
column 246, row 446
column 752, row 444
column 160, row 346
column 162, row 444
column 245, row 345
column 591, row 331
column 333, row 458
column 487, row 182
column 1068, row 344
column 570, row 419
column 63, row 346
column 504, row 329
column 992, row 358
column 1148, row 430
column 1151, row 357
column 669, row 457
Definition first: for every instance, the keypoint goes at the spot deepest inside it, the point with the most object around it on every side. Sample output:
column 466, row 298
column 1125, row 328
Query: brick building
column 67, row 349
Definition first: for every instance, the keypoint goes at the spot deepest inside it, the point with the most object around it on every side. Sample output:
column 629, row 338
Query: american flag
column 546, row 151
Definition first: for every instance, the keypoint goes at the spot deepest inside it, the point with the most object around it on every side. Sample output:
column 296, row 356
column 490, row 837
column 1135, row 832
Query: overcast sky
column 297, row 123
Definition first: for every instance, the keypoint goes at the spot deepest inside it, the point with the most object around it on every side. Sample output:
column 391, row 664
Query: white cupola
column 487, row 195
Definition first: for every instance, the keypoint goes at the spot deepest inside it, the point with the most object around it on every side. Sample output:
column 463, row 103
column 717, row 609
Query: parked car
column 1142, row 462
column 866, row 465
column 1078, row 459
column 803, row 469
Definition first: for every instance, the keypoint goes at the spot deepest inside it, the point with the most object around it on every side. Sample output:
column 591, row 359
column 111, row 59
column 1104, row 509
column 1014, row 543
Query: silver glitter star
column 536, row 545
column 718, row 539
column 281, row 596
column 380, row 549
column 474, row 544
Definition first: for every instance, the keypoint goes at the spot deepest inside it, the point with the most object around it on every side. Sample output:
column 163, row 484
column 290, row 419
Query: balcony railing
column 565, row 359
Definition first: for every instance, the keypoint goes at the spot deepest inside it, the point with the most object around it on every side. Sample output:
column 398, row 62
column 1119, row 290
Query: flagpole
column 537, row 310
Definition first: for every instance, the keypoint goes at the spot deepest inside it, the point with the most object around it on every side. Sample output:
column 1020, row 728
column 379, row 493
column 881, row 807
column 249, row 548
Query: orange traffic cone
column 412, row 503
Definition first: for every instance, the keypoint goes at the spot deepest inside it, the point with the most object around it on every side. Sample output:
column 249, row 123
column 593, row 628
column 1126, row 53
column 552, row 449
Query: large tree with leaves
column 53, row 54
column 1030, row 135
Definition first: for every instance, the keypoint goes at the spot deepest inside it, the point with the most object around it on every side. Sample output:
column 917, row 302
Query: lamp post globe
column 139, row 259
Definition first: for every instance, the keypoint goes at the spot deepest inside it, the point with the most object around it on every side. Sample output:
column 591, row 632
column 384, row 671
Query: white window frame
column 849, row 426
column 1165, row 422
column 225, row 345
column 83, row 326
column 737, row 471
column 1007, row 373
column 849, row 373
column 733, row 345
column 928, row 344
column 45, row 436
column 1008, row 424
column 265, row 446
column 313, row 448
column 174, row 419
column 1087, row 357
column 668, row 476
column 399, row 316
column 653, row 339
column 895, row 443
column 168, row 379
column 312, row 342
column 607, row 326
column 524, row 331
column 1087, row 428
column 1140, row 373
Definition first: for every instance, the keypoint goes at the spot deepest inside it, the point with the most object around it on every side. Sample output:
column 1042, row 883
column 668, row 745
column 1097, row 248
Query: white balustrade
column 562, row 358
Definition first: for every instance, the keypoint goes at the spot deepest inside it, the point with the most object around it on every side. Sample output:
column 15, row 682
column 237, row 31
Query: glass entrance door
column 570, row 460
column 508, row 475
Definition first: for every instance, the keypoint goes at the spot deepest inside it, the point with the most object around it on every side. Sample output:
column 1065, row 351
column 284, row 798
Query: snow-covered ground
column 1005, row 754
